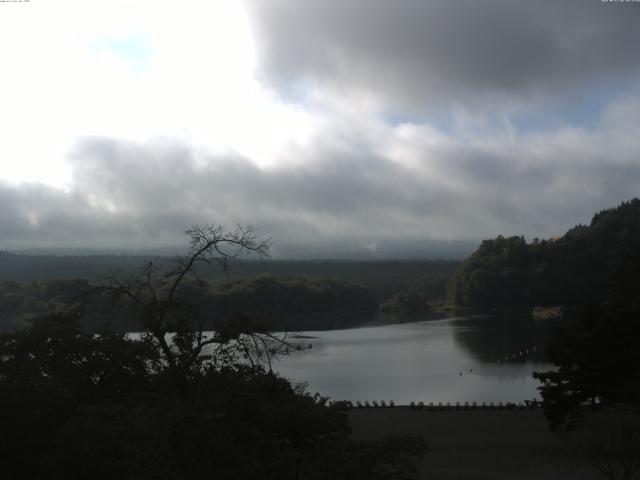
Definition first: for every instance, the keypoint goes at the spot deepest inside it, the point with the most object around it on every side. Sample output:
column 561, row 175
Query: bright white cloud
column 133, row 70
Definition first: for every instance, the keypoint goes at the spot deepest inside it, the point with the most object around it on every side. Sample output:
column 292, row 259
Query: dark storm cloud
column 421, row 53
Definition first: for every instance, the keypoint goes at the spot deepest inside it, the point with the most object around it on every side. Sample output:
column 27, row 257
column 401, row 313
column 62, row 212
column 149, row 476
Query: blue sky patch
column 133, row 48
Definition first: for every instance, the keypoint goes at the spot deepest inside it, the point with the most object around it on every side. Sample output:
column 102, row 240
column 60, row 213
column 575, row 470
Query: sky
column 352, row 127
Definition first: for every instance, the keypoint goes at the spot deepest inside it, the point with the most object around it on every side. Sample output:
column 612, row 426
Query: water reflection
column 504, row 338
column 433, row 361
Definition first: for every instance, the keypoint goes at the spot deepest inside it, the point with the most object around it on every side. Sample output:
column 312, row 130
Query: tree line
column 570, row 270
column 290, row 303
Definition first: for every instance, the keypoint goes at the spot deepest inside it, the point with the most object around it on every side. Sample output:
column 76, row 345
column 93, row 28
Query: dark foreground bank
column 478, row 444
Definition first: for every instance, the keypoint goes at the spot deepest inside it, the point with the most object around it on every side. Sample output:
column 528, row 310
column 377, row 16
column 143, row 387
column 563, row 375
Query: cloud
column 177, row 69
column 418, row 56
column 332, row 126
column 360, row 182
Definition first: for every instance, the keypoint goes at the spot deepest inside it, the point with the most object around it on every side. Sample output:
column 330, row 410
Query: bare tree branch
column 154, row 290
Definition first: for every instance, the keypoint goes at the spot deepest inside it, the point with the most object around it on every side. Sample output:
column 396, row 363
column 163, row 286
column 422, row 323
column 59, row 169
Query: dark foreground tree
column 592, row 399
column 598, row 357
column 51, row 372
column 598, row 364
column 175, row 403
column 609, row 440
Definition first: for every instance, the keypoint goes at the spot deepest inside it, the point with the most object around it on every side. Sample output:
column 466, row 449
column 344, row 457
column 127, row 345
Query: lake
column 481, row 359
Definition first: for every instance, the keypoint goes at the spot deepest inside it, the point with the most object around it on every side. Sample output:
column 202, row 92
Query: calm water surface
column 478, row 359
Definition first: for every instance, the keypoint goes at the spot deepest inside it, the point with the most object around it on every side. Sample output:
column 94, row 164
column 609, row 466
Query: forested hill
column 382, row 277
column 571, row 270
column 296, row 295
column 29, row 268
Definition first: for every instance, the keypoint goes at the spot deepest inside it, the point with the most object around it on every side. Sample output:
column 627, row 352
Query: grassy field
column 478, row 444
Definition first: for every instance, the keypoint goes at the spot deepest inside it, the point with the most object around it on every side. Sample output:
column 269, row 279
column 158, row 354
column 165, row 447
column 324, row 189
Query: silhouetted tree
column 174, row 404
column 48, row 372
column 598, row 358
column 609, row 440
column 171, row 322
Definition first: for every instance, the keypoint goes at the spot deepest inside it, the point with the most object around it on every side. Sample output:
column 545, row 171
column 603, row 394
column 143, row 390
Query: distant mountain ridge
column 571, row 270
